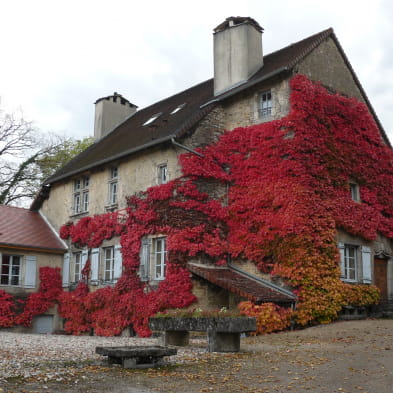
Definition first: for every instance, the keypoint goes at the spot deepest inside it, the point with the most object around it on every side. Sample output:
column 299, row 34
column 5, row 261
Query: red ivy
column 288, row 195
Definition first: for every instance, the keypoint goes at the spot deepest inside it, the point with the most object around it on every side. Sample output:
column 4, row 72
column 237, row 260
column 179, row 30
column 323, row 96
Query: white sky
column 58, row 57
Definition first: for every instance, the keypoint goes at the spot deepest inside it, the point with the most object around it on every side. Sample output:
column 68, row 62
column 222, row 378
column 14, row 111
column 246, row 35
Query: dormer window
column 177, row 109
column 265, row 105
column 354, row 191
column 154, row 117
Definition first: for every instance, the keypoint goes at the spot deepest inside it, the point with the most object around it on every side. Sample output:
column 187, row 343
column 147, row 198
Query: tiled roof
column 240, row 284
column 23, row 228
column 132, row 136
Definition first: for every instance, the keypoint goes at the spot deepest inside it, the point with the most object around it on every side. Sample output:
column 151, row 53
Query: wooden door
column 380, row 277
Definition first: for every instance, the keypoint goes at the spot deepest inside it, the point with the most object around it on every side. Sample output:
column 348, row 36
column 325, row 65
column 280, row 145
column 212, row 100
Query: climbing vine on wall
column 274, row 194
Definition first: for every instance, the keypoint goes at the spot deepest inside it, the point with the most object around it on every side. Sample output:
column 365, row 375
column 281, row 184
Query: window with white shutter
column 145, row 259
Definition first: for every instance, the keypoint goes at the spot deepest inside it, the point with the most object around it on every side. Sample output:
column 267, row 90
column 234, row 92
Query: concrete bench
column 137, row 356
column 223, row 333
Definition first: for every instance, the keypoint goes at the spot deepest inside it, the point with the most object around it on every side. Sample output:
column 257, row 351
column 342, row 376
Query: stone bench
column 223, row 333
column 136, row 356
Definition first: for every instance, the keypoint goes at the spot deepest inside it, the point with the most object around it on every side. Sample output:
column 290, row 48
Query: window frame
column 159, row 255
column 113, row 186
column 111, row 260
column 350, row 263
column 77, row 261
column 265, row 111
column 162, row 173
column 80, row 201
column 10, row 276
column 354, row 191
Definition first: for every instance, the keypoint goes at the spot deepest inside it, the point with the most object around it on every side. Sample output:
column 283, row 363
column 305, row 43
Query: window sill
column 348, row 281
column 111, row 208
column 81, row 214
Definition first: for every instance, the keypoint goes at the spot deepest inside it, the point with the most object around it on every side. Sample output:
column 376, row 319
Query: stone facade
column 325, row 64
column 138, row 171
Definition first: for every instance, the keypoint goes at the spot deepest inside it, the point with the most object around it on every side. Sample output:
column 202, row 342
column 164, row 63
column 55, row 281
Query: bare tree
column 27, row 157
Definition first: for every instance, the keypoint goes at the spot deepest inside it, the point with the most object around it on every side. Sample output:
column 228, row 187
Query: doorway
column 380, row 277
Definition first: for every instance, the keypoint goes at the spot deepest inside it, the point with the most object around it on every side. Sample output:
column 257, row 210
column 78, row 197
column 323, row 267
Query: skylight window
column 154, row 117
column 177, row 109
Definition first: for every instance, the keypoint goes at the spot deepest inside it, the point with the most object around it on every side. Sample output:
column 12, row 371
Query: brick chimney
column 237, row 52
column 109, row 112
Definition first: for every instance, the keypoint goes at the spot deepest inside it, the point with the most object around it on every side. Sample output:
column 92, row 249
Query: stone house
column 27, row 243
column 136, row 149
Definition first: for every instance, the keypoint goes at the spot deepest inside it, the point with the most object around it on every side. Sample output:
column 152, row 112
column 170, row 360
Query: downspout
column 185, row 147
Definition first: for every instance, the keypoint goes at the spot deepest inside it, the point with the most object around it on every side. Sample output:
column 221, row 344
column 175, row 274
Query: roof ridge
column 325, row 33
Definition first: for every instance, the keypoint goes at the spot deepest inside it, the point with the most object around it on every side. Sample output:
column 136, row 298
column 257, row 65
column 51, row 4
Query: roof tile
column 24, row 228
column 242, row 285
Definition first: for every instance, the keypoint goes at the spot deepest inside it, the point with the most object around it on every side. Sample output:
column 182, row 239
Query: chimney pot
column 110, row 112
column 237, row 52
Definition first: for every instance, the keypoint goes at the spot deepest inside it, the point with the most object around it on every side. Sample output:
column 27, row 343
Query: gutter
column 186, row 148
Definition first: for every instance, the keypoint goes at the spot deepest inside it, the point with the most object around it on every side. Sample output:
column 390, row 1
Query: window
column 10, row 270
column 77, row 266
column 113, row 186
column 109, row 264
column 154, row 117
column 354, row 190
column 265, row 105
column 159, row 245
column 81, row 195
column 144, row 265
column 349, row 262
column 162, row 174
column 177, row 109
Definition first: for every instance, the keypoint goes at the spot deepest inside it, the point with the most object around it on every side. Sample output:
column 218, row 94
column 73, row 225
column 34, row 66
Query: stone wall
column 326, row 65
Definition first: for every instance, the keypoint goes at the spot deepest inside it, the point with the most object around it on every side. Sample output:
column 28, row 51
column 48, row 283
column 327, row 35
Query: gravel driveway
column 352, row 357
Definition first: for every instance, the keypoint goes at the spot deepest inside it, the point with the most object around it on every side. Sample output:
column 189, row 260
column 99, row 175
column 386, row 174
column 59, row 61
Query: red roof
column 27, row 229
column 250, row 288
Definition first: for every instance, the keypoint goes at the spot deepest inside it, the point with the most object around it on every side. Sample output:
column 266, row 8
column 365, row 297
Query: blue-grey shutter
column 95, row 263
column 145, row 259
column 31, row 271
column 341, row 247
column 366, row 263
column 118, row 265
column 66, row 270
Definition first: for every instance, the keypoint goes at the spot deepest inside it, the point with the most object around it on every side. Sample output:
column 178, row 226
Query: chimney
column 109, row 112
column 237, row 52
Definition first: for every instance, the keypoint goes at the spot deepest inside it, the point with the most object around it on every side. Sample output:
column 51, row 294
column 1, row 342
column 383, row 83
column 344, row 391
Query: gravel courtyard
column 352, row 357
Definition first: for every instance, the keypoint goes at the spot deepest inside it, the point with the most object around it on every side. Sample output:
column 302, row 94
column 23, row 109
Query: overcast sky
column 58, row 57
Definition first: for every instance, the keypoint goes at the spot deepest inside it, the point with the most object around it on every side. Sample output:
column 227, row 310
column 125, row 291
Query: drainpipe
column 186, row 148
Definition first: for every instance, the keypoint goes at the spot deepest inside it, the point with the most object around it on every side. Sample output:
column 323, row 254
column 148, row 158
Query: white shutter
column 85, row 255
column 66, row 270
column 144, row 259
column 366, row 262
column 95, row 263
column 341, row 247
column 31, row 271
column 118, row 265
